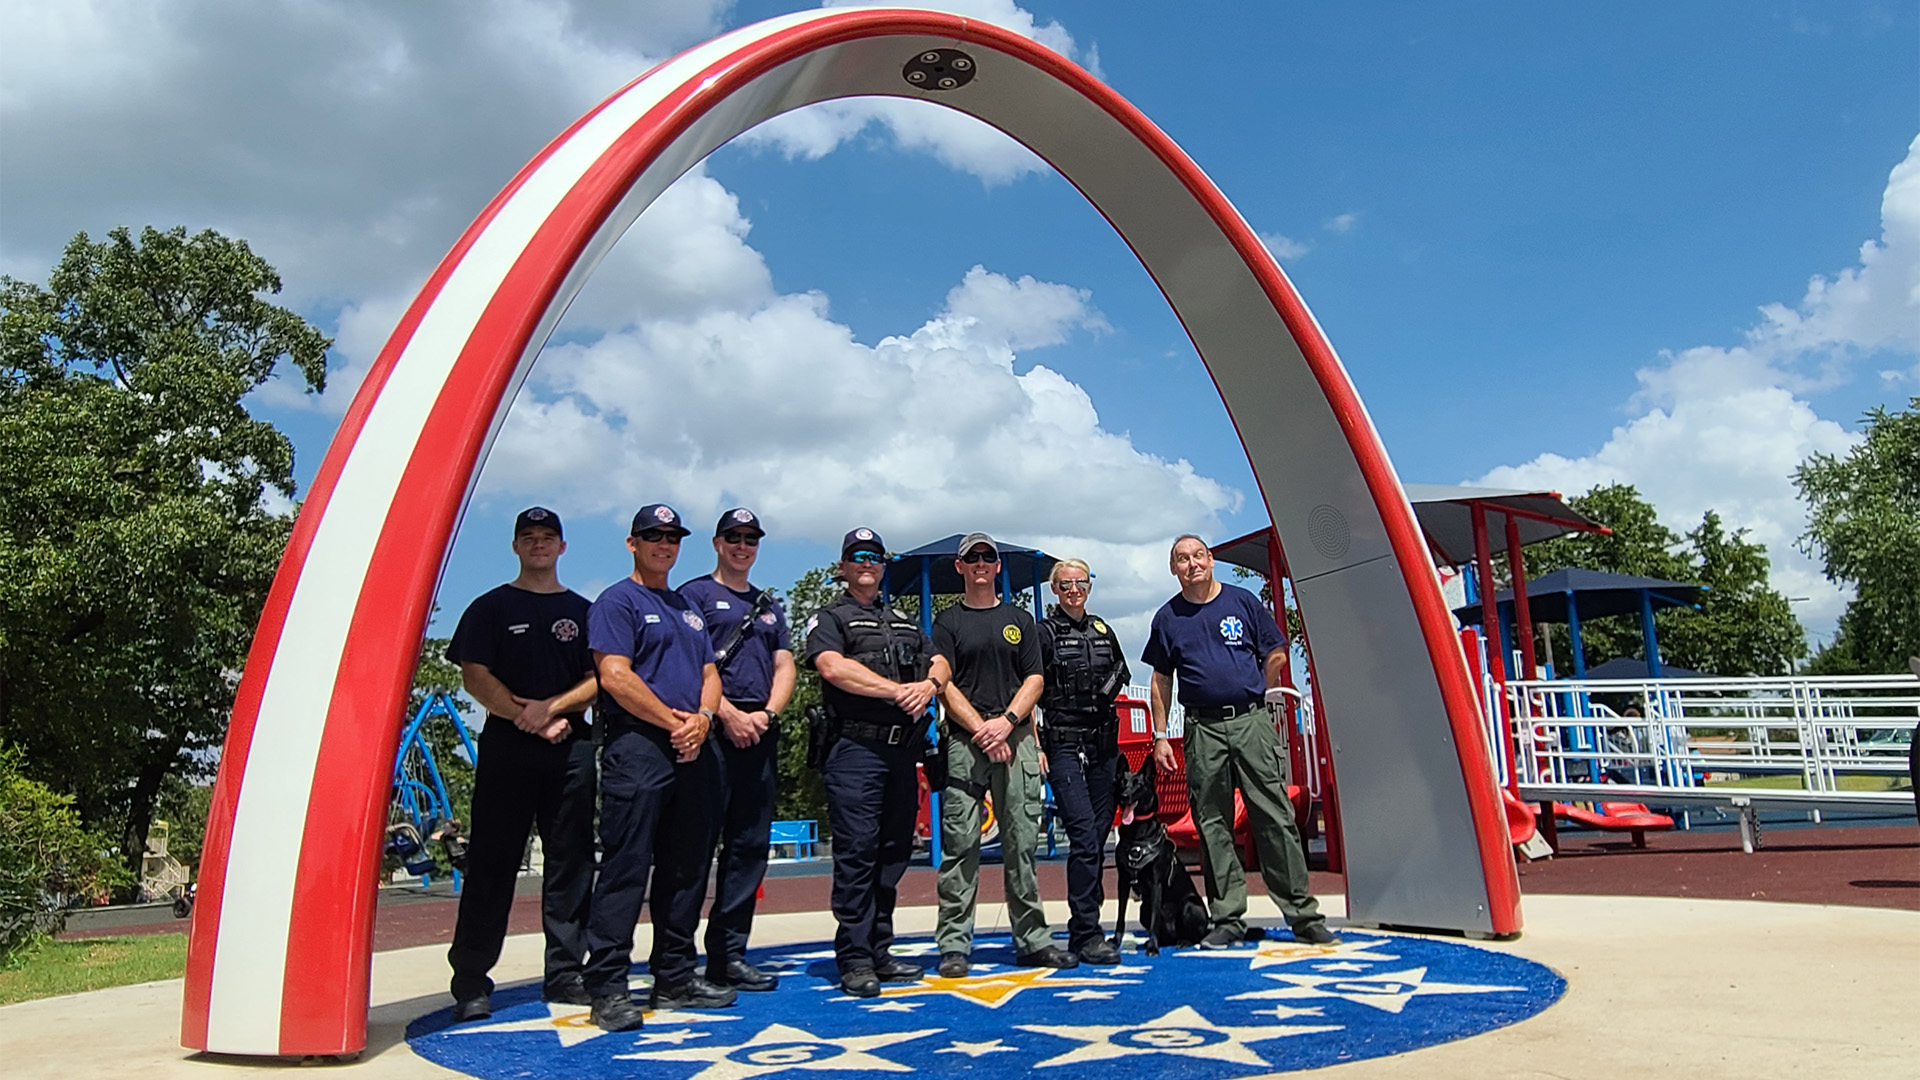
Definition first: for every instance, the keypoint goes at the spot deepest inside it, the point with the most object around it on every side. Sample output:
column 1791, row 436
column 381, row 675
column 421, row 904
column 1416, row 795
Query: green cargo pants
column 1015, row 787
column 1245, row 751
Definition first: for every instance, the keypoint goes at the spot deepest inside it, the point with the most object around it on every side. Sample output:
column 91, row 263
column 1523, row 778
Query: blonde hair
column 1077, row 564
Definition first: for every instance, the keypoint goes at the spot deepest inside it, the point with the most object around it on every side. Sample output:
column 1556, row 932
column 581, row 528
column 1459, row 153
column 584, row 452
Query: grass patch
column 1795, row 782
column 72, row 967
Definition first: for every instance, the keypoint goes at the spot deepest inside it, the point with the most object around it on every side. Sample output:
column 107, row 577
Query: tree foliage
column 49, row 861
column 1743, row 627
column 1864, row 524
column 138, row 533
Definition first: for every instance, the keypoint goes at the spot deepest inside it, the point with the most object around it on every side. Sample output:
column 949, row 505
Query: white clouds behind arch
column 1723, row 428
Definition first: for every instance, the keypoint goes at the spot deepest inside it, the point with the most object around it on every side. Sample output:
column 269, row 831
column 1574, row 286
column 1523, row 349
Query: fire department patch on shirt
column 1187, row 1013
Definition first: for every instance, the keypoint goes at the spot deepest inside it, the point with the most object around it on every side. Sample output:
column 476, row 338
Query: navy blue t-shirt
column 664, row 637
column 748, row 672
column 1214, row 650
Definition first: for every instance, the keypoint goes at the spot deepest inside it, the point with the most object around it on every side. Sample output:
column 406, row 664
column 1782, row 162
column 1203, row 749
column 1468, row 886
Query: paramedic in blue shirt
column 1223, row 646
column 756, row 680
column 659, row 691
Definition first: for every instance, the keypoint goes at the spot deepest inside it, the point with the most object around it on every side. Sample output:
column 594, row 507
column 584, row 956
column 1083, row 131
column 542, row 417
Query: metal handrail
column 1706, row 735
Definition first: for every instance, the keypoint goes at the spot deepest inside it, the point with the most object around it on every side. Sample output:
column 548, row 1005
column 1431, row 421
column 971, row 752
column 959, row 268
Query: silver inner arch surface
column 1411, row 853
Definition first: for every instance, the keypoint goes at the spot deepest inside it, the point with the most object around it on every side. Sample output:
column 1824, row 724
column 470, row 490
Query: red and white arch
column 283, row 926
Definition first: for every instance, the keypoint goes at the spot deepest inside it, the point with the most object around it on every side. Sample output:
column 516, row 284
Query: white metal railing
column 1701, row 735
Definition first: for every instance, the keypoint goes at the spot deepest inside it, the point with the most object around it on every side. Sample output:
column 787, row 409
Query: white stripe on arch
column 250, row 958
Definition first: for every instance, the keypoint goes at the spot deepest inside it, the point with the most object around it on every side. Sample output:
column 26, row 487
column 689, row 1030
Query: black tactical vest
column 1081, row 666
column 885, row 640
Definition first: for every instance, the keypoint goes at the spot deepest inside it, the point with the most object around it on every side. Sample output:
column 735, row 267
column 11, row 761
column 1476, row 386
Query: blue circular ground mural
column 1190, row 1013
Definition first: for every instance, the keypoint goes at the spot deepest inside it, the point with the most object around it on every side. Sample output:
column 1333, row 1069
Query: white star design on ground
column 1388, row 991
column 892, row 1006
column 974, row 1050
column 1280, row 953
column 1087, row 995
column 780, row 1047
column 676, row 1036
column 1182, row 1032
column 1288, row 1012
column 573, row 1024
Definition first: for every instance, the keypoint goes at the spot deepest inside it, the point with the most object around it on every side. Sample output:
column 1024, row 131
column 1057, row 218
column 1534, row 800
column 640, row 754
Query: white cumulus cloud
column 1723, row 428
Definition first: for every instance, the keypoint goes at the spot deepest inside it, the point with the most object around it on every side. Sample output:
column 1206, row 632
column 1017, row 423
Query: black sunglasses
column 654, row 536
column 979, row 557
column 749, row 539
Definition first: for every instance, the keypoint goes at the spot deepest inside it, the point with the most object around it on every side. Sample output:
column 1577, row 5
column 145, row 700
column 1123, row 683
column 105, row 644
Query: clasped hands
column 743, row 729
column 536, row 718
column 992, row 735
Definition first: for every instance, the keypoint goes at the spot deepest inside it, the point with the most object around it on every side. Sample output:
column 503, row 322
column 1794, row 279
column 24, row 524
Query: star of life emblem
column 1232, row 630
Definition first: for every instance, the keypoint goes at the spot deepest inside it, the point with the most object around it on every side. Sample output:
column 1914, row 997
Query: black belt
column 1224, row 712
column 1077, row 736
column 884, row 734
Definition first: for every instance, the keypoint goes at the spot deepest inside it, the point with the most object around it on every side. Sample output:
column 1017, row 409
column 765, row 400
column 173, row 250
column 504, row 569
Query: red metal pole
column 1323, row 745
column 1276, row 580
column 1489, row 610
column 1522, row 611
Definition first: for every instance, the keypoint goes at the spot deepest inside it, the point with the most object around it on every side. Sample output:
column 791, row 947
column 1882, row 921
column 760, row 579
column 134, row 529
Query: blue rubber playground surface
column 1189, row 1013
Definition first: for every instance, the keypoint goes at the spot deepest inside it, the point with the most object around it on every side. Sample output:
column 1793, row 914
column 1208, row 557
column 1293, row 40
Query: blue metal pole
column 933, row 722
column 1573, row 637
column 1038, row 611
column 1646, row 633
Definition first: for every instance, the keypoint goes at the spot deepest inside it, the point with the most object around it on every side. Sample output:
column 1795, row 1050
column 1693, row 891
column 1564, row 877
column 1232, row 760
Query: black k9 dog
column 1170, row 910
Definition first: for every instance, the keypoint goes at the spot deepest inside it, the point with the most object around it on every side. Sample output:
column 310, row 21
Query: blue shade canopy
column 1628, row 667
column 1596, row 593
column 1022, row 566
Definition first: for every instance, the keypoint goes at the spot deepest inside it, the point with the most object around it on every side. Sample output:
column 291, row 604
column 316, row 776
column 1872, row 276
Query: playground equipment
column 281, row 950
column 162, row 877
column 420, row 813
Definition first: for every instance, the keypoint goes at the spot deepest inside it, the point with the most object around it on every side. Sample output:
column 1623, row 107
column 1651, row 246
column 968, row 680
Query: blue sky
column 1541, row 236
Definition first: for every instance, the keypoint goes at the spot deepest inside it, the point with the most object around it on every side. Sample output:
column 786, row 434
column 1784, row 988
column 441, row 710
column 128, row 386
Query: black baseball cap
column 537, row 517
column 658, row 516
column 862, row 540
column 736, row 519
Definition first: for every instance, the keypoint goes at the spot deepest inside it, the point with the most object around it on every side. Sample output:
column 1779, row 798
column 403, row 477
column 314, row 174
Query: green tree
column 49, row 862
column 1863, row 514
column 1743, row 627
column 139, row 527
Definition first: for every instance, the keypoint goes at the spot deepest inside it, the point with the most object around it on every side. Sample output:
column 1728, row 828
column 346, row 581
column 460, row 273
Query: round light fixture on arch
column 281, row 950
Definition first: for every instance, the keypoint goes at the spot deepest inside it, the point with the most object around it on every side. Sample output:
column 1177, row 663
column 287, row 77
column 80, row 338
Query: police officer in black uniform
column 1080, row 732
column 878, row 673
column 522, row 651
column 659, row 690
column 749, row 632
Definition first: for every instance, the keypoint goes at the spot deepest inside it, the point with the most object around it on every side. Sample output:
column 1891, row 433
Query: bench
column 800, row 836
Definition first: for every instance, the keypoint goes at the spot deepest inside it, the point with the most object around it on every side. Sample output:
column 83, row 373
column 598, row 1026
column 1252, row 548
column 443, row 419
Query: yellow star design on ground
column 1388, row 991
column 573, row 1024
column 998, row 988
column 1278, row 953
column 1182, row 1032
column 780, row 1047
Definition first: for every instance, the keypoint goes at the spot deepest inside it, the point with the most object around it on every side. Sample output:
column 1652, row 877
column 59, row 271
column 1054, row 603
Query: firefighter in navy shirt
column 659, row 691
column 1226, row 650
column 522, row 651
column 749, row 627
